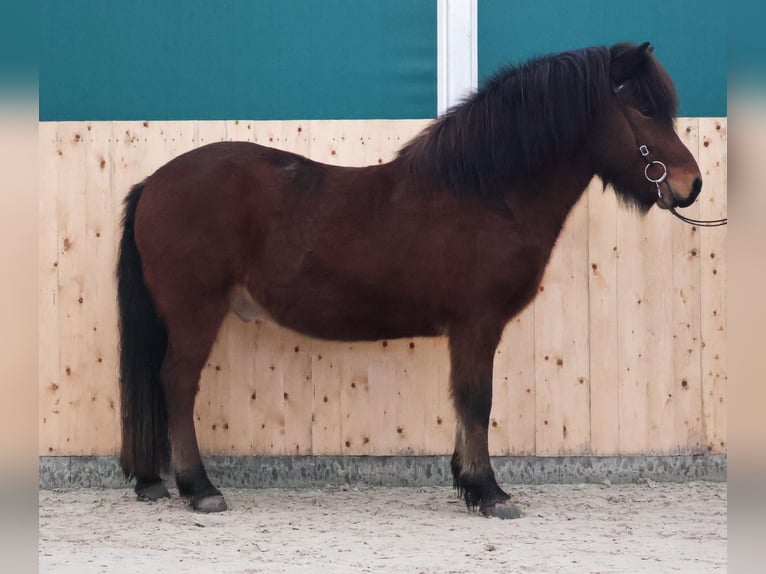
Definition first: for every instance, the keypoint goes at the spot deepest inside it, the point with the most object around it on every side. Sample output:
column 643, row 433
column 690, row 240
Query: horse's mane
column 524, row 119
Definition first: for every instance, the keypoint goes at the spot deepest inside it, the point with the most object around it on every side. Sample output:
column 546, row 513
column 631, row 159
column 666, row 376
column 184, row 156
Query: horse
column 448, row 239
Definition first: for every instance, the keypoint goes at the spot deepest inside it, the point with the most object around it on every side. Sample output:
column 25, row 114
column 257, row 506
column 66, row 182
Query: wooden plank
column 645, row 348
column 410, row 398
column 290, row 135
column 98, row 305
column 296, row 136
column 178, row 137
column 242, row 399
column 140, row 147
column 153, row 144
column 338, row 143
column 657, row 364
column 439, row 413
column 224, row 392
column 382, row 139
column 602, row 293
column 75, row 436
column 396, row 409
column 713, row 155
column 49, row 374
column 354, row 399
column 512, row 421
column 271, row 412
column 416, row 384
column 327, row 365
column 132, row 158
column 686, row 394
column 326, row 419
column 210, row 131
column 377, row 391
column 298, row 396
column 249, row 398
column 222, row 426
column 561, row 343
column 434, row 424
column 225, row 411
column 242, row 130
column 382, row 406
column 631, row 329
column 269, row 350
column 298, row 386
column 498, row 435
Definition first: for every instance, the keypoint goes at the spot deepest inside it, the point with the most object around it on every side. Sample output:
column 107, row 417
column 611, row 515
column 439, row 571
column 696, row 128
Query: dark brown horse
column 449, row 239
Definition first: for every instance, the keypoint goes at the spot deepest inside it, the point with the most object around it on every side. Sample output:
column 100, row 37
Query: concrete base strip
column 318, row 471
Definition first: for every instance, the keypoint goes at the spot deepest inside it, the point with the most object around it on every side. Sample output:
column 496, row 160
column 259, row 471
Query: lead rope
column 710, row 223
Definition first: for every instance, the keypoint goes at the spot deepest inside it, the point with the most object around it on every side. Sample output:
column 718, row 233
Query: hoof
column 211, row 503
column 502, row 510
column 152, row 492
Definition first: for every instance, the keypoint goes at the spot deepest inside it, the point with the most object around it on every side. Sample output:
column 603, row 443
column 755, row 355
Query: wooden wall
column 623, row 351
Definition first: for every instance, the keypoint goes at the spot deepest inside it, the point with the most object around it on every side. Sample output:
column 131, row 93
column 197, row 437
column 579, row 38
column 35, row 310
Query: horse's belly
column 335, row 317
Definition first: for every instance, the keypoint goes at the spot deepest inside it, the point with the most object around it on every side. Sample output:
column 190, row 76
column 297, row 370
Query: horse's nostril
column 696, row 188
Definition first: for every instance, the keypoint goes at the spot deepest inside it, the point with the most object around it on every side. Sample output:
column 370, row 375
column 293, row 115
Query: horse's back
column 229, row 214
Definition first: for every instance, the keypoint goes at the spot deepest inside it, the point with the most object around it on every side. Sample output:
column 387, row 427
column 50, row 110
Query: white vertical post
column 457, row 62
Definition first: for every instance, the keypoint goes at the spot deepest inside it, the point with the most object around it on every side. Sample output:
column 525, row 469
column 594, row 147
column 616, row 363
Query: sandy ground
column 653, row 528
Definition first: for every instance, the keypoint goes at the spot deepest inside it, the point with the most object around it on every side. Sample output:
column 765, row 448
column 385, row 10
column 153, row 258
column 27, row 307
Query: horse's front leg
column 472, row 351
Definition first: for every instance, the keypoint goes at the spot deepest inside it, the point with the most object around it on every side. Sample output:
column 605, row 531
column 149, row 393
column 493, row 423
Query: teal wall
column 689, row 37
column 223, row 59
column 747, row 49
column 334, row 59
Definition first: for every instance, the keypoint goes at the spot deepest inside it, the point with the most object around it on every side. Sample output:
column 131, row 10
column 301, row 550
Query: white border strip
column 457, row 52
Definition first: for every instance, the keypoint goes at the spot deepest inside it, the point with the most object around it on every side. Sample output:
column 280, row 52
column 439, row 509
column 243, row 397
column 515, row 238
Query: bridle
column 647, row 156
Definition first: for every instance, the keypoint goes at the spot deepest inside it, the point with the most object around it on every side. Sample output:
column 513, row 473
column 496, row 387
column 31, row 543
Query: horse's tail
column 143, row 342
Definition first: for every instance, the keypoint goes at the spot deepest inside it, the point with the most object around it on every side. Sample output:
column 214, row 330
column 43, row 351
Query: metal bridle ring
column 659, row 179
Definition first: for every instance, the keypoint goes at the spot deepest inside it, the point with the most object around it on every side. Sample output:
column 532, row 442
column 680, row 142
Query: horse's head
column 635, row 146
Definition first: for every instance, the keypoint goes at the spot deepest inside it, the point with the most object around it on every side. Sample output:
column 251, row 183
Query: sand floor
column 636, row 528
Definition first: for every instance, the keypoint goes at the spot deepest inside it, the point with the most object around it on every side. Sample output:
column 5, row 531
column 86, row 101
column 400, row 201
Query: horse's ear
column 626, row 64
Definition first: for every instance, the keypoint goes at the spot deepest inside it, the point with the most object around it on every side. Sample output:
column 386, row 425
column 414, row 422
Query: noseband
column 646, row 154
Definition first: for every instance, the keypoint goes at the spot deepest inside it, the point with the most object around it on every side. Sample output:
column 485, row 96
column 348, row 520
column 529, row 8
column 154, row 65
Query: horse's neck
column 547, row 199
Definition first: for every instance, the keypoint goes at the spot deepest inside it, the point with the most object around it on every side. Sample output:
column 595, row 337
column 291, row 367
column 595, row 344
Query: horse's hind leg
column 191, row 334
column 150, row 487
column 472, row 351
